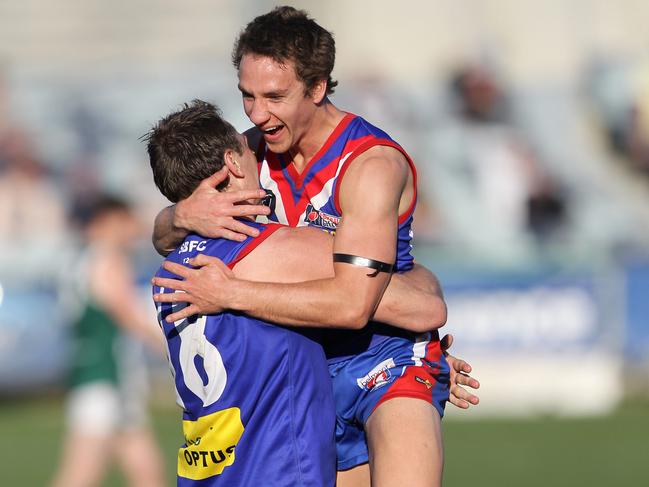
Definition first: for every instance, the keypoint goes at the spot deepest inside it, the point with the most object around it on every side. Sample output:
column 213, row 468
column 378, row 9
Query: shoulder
column 386, row 154
column 379, row 161
column 379, row 175
column 288, row 255
column 296, row 237
column 231, row 252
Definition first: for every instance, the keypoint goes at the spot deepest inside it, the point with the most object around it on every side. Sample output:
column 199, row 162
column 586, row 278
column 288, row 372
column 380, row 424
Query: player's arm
column 112, row 286
column 369, row 198
column 293, row 255
column 166, row 234
column 412, row 301
column 207, row 212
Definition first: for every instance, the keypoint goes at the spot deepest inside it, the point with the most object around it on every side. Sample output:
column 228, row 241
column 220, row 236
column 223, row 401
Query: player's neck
column 323, row 123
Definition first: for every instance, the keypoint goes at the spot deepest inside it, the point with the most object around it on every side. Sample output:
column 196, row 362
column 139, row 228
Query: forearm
column 413, row 301
column 423, row 279
column 166, row 235
column 326, row 303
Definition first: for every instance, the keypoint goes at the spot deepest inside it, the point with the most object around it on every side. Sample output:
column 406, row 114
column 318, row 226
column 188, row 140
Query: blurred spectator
column 377, row 98
column 32, row 214
column 637, row 137
column 106, row 411
column 30, row 206
column 494, row 197
column 620, row 94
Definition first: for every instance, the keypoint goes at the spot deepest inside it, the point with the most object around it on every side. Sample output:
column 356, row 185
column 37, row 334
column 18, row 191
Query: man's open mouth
column 272, row 130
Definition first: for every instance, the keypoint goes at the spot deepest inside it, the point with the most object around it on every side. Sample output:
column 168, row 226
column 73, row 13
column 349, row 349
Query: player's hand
column 460, row 371
column 211, row 213
column 203, row 288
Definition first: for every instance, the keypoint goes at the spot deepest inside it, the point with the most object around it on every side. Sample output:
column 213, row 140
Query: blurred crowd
column 510, row 177
column 504, row 178
column 520, row 176
column 533, row 193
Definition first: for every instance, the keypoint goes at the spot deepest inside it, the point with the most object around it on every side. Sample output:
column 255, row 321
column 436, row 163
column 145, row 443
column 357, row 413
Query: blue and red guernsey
column 311, row 198
column 256, row 398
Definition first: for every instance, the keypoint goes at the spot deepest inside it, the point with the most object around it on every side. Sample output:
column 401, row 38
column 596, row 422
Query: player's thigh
column 358, row 476
column 405, row 443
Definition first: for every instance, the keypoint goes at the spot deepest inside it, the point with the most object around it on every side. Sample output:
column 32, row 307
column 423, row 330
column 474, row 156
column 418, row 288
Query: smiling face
column 276, row 101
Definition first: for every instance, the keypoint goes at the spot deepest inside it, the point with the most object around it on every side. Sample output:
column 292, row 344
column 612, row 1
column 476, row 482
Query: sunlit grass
column 607, row 451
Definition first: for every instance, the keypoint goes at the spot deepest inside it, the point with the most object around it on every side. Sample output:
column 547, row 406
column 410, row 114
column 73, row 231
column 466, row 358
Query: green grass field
column 593, row 452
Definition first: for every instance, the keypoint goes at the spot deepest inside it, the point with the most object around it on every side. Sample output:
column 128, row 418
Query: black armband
column 377, row 265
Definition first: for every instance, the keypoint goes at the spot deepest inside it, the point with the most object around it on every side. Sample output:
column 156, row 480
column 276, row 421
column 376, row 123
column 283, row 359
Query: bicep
column 370, row 195
column 369, row 200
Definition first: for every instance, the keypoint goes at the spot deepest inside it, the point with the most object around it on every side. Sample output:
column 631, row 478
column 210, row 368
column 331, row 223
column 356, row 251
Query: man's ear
column 319, row 91
column 231, row 160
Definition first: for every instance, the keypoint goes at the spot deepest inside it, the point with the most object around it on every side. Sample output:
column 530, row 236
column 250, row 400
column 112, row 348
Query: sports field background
column 552, row 309
column 591, row 452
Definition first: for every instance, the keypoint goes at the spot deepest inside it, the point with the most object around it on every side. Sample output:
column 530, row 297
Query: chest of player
column 303, row 199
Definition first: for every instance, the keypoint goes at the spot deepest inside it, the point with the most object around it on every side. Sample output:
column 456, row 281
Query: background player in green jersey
column 106, row 413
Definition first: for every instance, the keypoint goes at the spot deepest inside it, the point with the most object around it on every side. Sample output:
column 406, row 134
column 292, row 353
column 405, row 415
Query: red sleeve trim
column 255, row 242
column 364, row 147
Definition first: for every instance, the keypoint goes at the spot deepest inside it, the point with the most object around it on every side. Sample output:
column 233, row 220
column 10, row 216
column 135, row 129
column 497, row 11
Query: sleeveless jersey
column 311, row 198
column 256, row 398
column 96, row 338
column 95, row 345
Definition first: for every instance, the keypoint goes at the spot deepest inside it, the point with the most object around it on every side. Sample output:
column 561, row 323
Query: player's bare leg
column 84, row 462
column 358, row 476
column 139, row 458
column 405, row 444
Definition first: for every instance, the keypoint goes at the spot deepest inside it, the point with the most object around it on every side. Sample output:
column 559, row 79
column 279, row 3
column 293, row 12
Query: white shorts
column 102, row 408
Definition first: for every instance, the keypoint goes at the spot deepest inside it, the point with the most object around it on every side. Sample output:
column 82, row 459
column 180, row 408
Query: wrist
column 235, row 297
column 179, row 217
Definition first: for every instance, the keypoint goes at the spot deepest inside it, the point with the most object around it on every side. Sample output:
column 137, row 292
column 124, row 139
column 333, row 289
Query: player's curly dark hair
column 187, row 146
column 287, row 34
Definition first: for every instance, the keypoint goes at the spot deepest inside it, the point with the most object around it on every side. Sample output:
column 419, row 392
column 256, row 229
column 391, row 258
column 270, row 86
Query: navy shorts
column 397, row 367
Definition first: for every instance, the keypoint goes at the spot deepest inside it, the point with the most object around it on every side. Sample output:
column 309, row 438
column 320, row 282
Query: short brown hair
column 187, row 146
column 287, row 34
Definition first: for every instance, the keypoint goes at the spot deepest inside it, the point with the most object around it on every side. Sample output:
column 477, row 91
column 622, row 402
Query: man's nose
column 259, row 114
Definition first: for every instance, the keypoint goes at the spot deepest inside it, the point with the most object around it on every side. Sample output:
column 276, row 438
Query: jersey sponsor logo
column 426, row 382
column 377, row 377
column 321, row 219
column 211, row 441
column 191, row 245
